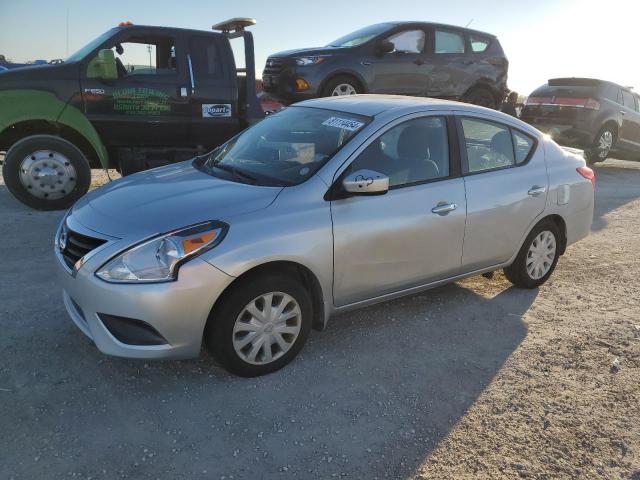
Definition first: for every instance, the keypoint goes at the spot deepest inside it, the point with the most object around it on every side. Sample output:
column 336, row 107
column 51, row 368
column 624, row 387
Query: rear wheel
column 537, row 258
column 260, row 325
column 46, row 172
column 342, row 85
column 600, row 150
column 480, row 96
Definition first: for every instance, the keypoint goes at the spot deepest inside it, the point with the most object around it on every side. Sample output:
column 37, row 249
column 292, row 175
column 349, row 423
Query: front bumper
column 283, row 85
column 177, row 310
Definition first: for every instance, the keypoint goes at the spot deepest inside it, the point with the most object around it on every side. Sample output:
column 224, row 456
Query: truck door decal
column 212, row 110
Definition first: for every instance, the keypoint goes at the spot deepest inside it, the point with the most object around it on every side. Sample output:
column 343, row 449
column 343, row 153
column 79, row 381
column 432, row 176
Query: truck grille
column 77, row 246
column 273, row 66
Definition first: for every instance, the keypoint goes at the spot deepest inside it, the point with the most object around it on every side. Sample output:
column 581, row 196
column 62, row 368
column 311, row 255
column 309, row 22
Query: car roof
column 371, row 105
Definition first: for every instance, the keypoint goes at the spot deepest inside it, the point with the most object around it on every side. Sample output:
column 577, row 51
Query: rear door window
column 629, row 100
column 489, row 145
column 523, row 144
column 449, row 42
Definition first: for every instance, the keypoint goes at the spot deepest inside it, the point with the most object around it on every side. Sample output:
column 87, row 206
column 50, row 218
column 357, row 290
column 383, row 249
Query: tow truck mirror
column 103, row 66
column 384, row 46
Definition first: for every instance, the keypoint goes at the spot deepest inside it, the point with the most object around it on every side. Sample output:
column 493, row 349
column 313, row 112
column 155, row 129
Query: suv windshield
column 361, row 36
column 283, row 149
column 89, row 47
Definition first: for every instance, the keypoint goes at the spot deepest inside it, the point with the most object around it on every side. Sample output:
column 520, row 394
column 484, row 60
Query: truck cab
column 134, row 98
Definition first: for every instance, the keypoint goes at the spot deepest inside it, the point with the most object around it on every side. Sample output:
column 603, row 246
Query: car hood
column 167, row 198
column 299, row 52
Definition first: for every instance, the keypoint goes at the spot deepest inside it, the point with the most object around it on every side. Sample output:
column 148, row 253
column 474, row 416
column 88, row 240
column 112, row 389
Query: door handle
column 536, row 191
column 443, row 208
column 622, row 112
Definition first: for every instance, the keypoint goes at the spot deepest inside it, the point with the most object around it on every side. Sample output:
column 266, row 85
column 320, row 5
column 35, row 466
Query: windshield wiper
column 235, row 171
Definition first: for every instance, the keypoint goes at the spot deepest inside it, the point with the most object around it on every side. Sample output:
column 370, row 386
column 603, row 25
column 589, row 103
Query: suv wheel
column 260, row 326
column 537, row 258
column 342, row 85
column 605, row 141
column 480, row 96
column 46, row 172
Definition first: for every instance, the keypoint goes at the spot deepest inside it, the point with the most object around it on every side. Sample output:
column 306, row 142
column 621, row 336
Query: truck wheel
column 480, row 96
column 600, row 150
column 46, row 172
column 342, row 85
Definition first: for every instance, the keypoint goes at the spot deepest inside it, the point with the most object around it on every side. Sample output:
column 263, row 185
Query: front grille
column 77, row 246
column 273, row 66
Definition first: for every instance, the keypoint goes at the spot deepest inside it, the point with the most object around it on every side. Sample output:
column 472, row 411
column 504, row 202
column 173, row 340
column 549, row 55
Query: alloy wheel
column 343, row 89
column 605, row 143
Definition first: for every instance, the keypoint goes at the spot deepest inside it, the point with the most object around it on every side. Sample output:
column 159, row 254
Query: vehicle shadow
column 617, row 183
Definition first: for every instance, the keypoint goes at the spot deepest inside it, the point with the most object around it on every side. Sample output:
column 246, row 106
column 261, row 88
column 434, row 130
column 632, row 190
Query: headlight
column 158, row 259
column 304, row 61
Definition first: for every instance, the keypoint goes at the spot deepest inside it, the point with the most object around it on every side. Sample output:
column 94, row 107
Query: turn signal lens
column 587, row 173
column 301, row 84
column 194, row 243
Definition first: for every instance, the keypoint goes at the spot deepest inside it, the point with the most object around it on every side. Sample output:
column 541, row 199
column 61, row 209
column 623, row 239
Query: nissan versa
column 326, row 206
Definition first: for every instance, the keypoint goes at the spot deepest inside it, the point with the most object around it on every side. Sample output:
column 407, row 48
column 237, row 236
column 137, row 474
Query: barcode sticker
column 343, row 123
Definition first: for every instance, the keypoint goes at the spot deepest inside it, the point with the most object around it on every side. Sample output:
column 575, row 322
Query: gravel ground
column 472, row 380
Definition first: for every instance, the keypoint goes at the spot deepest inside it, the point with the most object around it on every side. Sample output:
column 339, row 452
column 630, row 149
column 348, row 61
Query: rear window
column 478, row 44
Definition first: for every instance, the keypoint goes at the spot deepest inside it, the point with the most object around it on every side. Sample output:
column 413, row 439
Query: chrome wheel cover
column 343, row 89
column 267, row 328
column 541, row 254
column 47, row 174
column 605, row 143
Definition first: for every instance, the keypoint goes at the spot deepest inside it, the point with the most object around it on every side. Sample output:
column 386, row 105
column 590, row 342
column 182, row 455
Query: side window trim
column 455, row 155
column 462, row 145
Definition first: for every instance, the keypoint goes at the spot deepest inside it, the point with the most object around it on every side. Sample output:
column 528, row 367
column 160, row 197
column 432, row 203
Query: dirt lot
column 471, row 380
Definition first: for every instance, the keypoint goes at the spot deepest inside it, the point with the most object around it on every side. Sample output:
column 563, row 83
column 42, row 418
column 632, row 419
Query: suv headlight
column 304, row 61
column 158, row 259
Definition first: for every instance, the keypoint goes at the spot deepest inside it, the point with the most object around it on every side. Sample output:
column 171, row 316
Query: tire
column 480, row 96
column 46, row 172
column 345, row 83
column 605, row 142
column 227, row 326
column 518, row 273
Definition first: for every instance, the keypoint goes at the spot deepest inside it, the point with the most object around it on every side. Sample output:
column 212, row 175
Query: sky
column 542, row 38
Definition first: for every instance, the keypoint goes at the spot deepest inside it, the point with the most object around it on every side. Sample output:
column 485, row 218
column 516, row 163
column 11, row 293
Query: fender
column 24, row 105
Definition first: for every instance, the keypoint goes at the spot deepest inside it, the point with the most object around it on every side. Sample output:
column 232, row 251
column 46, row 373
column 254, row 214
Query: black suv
column 408, row 58
column 597, row 116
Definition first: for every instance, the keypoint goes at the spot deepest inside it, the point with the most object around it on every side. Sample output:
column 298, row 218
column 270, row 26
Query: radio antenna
column 468, row 23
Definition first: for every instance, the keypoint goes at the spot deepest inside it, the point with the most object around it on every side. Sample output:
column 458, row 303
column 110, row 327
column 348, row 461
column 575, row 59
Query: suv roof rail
column 237, row 24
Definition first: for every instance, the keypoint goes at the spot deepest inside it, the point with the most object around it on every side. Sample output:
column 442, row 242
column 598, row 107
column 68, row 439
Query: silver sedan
column 329, row 205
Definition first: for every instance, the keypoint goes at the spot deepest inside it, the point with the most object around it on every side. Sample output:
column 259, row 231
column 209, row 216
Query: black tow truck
column 134, row 98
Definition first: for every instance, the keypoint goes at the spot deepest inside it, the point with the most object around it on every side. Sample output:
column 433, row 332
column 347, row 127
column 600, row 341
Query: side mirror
column 366, row 182
column 103, row 66
column 384, row 46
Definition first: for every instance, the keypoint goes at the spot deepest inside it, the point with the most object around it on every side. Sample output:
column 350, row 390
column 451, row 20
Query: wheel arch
column 27, row 110
column 610, row 122
column 290, row 268
column 486, row 84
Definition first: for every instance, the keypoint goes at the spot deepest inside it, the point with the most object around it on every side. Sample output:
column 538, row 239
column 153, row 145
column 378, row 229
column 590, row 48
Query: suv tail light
column 587, row 173
column 588, row 103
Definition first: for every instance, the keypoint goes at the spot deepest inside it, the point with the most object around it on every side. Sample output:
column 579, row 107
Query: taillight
column 587, row 173
column 588, row 103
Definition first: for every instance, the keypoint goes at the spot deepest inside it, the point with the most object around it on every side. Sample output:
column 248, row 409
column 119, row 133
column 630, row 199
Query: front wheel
column 537, row 258
column 260, row 325
column 340, row 86
column 46, row 172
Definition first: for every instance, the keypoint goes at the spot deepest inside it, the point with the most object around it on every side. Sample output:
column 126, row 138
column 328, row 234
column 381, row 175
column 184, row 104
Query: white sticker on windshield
column 343, row 123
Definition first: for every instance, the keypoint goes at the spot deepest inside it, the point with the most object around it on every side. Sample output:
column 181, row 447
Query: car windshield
column 360, row 36
column 285, row 148
column 89, row 47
